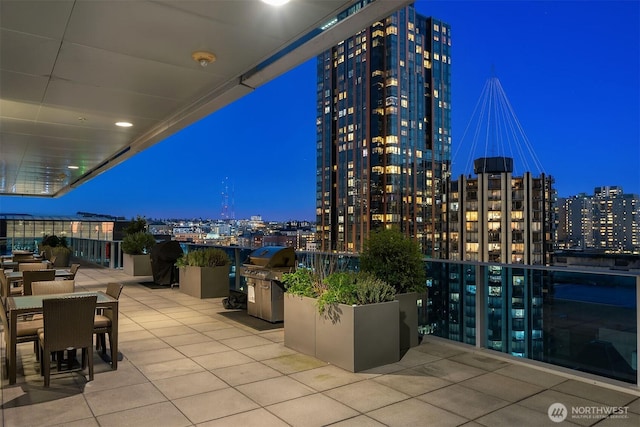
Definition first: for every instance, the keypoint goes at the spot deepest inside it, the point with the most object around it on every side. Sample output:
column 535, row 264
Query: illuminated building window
column 392, row 169
column 391, row 139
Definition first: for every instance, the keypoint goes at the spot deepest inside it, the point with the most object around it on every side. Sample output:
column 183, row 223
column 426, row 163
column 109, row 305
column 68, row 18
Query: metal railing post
column 481, row 305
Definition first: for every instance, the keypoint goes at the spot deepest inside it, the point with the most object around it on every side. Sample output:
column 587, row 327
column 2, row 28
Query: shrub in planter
column 353, row 289
column 396, row 259
column 302, row 288
column 56, row 246
column 138, row 243
column 204, row 273
column 137, row 247
column 209, row 257
column 136, row 225
column 347, row 319
column 303, row 282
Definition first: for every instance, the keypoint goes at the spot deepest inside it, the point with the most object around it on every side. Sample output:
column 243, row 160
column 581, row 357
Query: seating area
column 186, row 361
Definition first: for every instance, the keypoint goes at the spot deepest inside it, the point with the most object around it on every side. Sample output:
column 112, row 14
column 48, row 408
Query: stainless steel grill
column 265, row 292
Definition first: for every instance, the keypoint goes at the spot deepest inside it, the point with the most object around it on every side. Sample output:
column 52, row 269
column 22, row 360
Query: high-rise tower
column 499, row 217
column 384, row 132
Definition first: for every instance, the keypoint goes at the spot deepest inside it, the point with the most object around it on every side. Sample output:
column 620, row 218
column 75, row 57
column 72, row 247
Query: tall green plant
column 54, row 241
column 138, row 243
column 136, row 225
column 394, row 258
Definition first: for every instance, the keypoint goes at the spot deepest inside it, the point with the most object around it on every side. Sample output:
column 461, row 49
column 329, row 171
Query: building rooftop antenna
column 495, row 131
column 226, row 209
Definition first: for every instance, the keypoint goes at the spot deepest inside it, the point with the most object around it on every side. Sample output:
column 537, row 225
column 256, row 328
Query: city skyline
column 570, row 73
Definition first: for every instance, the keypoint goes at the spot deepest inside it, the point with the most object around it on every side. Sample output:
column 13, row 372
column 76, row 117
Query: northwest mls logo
column 557, row 412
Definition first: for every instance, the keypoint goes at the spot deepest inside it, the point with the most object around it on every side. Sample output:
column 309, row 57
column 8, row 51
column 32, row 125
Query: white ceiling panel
column 22, row 87
column 42, row 53
column 95, row 67
column 87, row 98
column 70, row 69
column 47, row 18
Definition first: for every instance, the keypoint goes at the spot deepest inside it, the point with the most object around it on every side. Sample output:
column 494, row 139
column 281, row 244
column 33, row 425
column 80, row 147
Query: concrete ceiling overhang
column 71, row 69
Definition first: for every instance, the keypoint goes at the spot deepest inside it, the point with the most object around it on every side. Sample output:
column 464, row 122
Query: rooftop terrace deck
column 190, row 362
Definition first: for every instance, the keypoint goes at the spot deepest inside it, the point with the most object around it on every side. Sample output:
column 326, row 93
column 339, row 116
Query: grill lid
column 272, row 257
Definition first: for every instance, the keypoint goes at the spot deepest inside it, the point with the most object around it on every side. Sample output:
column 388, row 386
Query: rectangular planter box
column 357, row 338
column 136, row 265
column 408, row 328
column 205, row 282
column 300, row 323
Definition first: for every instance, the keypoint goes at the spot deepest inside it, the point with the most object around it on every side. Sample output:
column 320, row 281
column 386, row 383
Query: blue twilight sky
column 570, row 71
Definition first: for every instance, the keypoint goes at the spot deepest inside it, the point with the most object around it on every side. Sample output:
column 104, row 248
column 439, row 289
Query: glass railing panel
column 585, row 321
column 589, row 323
column 451, row 301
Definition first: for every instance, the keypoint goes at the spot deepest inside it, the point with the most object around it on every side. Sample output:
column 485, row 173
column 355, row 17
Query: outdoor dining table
column 16, row 276
column 17, row 306
column 13, row 265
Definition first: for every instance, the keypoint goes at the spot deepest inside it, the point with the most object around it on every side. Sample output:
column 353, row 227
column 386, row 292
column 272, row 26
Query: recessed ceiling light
column 276, row 2
column 124, row 124
column 72, row 167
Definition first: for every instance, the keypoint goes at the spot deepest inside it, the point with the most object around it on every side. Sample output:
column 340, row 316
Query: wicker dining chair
column 48, row 287
column 7, row 290
column 27, row 327
column 68, row 323
column 73, row 270
column 102, row 320
column 28, row 277
column 30, row 266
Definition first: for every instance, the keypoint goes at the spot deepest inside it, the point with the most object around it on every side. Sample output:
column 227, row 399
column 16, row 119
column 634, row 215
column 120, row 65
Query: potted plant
column 204, row 273
column 302, row 288
column 137, row 247
column 347, row 319
column 55, row 248
column 396, row 259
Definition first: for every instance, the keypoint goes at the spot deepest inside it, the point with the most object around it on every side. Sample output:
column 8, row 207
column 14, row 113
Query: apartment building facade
column 384, row 133
column 501, row 218
column 608, row 220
